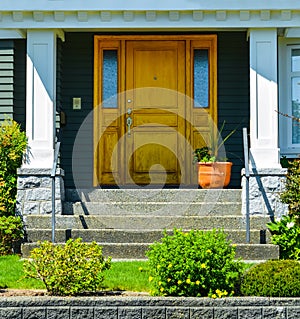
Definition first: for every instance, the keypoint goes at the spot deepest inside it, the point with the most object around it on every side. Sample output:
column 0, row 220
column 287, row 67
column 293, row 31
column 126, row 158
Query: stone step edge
column 137, row 250
column 154, row 202
column 144, row 216
column 76, row 192
column 147, row 244
column 140, row 232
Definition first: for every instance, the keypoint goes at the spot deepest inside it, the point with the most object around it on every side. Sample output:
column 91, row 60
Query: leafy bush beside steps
column 13, row 144
column 69, row 269
column 194, row 263
column 11, row 231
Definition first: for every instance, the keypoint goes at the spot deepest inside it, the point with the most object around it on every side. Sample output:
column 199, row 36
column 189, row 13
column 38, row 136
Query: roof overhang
column 137, row 5
column 146, row 14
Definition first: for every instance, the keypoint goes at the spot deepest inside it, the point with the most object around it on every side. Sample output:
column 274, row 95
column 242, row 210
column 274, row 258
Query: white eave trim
column 12, row 34
column 148, row 19
column 138, row 5
column 292, row 33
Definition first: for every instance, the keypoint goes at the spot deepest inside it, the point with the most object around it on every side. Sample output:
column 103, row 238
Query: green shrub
column 13, row 143
column 11, row 231
column 69, row 269
column 274, row 278
column 286, row 234
column 196, row 263
column 291, row 195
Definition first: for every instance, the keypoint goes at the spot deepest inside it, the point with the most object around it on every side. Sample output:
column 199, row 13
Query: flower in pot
column 214, row 171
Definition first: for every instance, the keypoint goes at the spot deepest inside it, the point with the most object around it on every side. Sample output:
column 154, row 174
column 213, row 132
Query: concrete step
column 134, row 236
column 149, row 222
column 159, row 201
column 135, row 208
column 153, row 195
column 248, row 252
column 126, row 221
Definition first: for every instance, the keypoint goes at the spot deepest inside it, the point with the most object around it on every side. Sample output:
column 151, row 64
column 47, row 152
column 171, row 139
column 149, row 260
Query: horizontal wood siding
column 13, row 80
column 76, row 80
column 6, row 78
column 233, row 96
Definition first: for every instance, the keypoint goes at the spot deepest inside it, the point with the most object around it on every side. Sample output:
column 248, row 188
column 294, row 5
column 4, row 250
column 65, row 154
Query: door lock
column 129, row 123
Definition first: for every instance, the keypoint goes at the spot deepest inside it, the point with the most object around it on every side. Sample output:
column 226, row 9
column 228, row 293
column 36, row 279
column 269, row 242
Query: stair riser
column 145, row 222
column 107, row 236
column 159, row 209
column 154, row 195
column 137, row 251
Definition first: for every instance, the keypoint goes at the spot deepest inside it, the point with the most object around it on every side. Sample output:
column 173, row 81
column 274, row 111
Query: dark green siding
column 20, row 82
column 76, row 80
column 233, row 95
column 59, row 57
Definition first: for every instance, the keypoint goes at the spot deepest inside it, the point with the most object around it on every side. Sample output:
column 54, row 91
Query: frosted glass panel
column 201, row 78
column 296, row 109
column 295, row 60
column 110, row 79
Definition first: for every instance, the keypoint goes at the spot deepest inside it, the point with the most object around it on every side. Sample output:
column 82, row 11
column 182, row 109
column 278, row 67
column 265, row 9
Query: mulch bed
column 36, row 293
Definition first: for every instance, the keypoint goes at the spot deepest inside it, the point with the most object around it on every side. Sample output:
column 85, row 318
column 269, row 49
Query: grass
column 12, row 275
column 121, row 276
column 126, row 275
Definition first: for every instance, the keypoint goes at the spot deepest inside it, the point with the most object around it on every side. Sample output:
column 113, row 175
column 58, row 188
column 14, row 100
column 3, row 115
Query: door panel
column 154, row 79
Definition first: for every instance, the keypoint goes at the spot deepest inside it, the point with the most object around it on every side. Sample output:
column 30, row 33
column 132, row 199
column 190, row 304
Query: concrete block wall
column 148, row 308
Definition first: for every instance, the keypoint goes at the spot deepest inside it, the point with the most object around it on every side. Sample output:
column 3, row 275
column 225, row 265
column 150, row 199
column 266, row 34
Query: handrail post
column 53, row 174
column 247, row 175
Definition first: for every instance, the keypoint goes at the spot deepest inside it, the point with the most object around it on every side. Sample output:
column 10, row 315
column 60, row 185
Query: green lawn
column 121, row 276
column 12, row 275
column 126, row 275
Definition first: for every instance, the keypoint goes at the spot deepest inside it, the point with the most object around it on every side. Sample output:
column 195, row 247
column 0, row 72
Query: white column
column 264, row 98
column 40, row 97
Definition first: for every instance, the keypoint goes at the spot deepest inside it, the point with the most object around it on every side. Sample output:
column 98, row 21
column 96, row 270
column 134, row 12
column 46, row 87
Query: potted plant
column 214, row 171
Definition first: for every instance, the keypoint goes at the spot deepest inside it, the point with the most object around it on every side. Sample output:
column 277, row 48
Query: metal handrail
column 247, row 175
column 53, row 174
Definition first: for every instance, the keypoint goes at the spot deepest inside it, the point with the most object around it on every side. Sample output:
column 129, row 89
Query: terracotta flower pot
column 214, row 175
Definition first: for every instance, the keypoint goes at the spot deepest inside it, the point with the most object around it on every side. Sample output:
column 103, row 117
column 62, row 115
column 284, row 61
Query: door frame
column 118, row 42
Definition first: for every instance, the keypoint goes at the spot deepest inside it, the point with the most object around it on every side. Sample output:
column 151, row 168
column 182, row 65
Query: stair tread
column 150, row 243
column 137, row 250
column 144, row 216
column 131, row 230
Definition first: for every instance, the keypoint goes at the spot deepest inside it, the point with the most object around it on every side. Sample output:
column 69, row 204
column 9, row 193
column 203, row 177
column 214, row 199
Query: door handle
column 129, row 123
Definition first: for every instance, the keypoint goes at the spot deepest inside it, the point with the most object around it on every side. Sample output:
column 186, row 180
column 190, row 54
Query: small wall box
column 76, row 103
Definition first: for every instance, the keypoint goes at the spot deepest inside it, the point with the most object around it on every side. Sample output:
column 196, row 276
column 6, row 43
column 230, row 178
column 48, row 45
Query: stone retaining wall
column 35, row 190
column 148, row 308
column 265, row 187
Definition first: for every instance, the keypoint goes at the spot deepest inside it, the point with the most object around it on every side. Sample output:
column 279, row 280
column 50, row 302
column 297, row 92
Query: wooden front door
column 155, row 73
column 146, row 132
